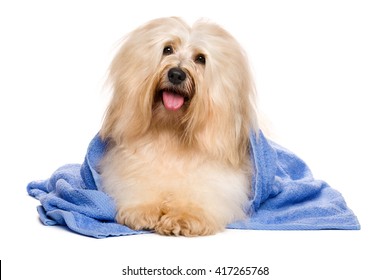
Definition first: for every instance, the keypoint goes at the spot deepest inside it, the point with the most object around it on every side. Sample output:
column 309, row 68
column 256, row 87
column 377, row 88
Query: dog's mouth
column 173, row 100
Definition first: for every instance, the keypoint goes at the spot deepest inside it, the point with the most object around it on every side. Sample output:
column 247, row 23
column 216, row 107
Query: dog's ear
column 131, row 76
column 224, row 107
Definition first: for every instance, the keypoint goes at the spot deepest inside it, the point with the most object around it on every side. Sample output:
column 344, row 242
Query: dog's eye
column 168, row 50
column 200, row 58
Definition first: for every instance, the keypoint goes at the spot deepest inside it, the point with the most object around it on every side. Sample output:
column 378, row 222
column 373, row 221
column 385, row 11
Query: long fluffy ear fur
column 225, row 104
column 130, row 98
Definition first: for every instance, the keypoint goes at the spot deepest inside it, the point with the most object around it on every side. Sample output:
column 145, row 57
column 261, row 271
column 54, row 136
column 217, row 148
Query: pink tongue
column 172, row 101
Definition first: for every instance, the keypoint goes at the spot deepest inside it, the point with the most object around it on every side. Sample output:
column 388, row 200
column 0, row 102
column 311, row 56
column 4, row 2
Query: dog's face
column 191, row 81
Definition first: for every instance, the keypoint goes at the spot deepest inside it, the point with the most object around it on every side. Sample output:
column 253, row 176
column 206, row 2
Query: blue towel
column 285, row 196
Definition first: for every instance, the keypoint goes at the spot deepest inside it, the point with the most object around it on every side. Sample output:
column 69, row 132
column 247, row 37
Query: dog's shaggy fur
column 178, row 127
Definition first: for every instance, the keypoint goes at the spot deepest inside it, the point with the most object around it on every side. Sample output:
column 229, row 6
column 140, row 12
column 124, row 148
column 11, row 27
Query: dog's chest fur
column 159, row 170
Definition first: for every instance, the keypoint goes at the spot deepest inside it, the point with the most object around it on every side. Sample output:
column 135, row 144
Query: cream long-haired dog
column 178, row 128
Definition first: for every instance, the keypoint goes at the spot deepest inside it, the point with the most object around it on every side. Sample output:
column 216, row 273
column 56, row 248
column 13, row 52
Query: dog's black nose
column 176, row 76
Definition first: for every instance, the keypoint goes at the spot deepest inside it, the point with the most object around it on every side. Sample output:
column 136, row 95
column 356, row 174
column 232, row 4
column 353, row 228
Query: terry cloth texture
column 285, row 196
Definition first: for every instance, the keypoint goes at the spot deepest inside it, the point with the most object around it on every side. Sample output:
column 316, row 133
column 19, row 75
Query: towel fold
column 284, row 196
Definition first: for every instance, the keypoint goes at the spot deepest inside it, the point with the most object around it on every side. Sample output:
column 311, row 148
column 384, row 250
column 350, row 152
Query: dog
column 177, row 127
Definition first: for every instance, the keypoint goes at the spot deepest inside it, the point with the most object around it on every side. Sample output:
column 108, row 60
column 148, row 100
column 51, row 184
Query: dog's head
column 192, row 81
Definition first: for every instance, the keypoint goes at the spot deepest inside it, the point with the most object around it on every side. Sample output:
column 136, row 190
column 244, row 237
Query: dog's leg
column 187, row 221
column 139, row 217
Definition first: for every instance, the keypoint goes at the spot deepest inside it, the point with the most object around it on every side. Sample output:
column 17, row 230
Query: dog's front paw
column 140, row 217
column 187, row 223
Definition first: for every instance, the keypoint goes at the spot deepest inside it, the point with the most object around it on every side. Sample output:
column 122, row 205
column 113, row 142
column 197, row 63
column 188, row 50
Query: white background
column 322, row 70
